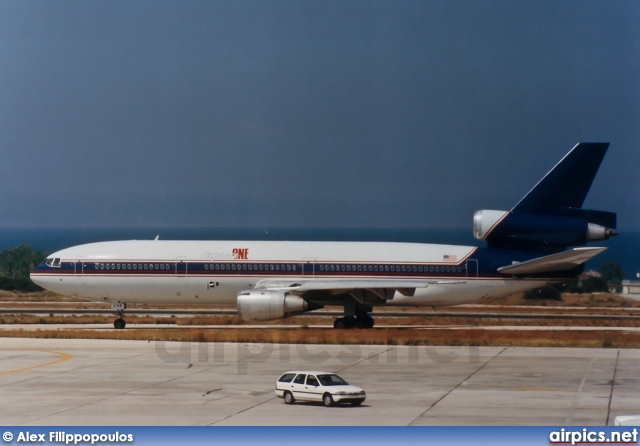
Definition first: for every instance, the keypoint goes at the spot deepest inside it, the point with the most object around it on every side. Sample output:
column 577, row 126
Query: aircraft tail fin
column 567, row 184
column 550, row 217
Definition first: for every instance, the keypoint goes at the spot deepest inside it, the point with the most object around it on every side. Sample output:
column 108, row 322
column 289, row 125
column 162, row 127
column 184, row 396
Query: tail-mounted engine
column 263, row 305
column 503, row 229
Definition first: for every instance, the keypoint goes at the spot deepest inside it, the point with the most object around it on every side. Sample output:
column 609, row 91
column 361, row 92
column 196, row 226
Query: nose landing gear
column 119, row 323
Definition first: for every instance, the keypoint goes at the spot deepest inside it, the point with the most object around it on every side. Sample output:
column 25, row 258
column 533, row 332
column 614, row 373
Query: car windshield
column 332, row 380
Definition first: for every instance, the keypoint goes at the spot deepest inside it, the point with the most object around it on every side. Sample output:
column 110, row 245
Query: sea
column 624, row 249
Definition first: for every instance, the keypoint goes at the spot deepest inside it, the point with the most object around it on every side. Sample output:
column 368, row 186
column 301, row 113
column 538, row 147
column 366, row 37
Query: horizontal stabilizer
column 561, row 261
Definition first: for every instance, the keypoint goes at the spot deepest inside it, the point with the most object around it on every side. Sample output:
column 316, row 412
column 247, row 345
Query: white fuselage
column 214, row 272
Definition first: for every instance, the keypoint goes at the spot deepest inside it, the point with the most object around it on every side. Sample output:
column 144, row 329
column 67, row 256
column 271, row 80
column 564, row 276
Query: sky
column 309, row 113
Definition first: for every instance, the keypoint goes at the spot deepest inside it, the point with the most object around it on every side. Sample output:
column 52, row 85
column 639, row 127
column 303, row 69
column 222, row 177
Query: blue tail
column 550, row 217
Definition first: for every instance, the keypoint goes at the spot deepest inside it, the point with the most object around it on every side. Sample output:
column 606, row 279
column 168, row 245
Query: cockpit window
column 53, row 262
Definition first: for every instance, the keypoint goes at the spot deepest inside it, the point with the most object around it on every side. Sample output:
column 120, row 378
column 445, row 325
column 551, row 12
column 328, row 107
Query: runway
column 116, row 382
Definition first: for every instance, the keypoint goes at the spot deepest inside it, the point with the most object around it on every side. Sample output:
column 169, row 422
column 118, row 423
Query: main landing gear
column 119, row 323
column 359, row 320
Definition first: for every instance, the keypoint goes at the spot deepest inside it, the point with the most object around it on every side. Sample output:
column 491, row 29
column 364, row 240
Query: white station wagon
column 324, row 387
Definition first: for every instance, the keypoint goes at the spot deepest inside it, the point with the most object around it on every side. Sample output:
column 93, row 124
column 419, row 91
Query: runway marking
column 567, row 421
column 63, row 357
column 461, row 383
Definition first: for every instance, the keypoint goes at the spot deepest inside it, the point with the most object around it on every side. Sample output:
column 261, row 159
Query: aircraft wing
column 338, row 286
column 555, row 262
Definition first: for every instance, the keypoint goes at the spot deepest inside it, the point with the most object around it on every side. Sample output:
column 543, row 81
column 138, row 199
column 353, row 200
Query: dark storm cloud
column 308, row 113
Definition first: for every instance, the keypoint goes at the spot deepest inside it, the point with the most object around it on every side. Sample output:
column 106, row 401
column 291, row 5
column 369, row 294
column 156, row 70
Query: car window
column 287, row 377
column 312, row 381
column 300, row 379
column 332, row 380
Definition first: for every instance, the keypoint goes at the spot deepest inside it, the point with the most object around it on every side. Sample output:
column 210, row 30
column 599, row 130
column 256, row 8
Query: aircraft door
column 472, row 267
column 78, row 267
column 182, row 266
column 309, row 266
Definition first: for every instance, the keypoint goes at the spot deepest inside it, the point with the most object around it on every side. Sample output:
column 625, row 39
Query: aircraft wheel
column 119, row 324
column 340, row 323
column 350, row 321
column 367, row 322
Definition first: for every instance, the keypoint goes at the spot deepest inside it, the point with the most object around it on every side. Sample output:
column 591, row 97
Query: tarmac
column 58, row 382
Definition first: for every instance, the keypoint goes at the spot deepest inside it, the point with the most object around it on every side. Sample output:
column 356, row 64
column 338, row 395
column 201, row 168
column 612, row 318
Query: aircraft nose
column 37, row 274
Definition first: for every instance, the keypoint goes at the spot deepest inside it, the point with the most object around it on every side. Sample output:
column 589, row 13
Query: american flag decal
column 449, row 258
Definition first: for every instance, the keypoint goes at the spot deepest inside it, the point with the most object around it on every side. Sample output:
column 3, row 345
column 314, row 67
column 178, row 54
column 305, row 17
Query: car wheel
column 288, row 398
column 327, row 399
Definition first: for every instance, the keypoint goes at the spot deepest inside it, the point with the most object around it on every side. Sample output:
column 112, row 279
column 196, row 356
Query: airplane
column 537, row 243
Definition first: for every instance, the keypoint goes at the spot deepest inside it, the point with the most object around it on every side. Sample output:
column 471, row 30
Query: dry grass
column 416, row 337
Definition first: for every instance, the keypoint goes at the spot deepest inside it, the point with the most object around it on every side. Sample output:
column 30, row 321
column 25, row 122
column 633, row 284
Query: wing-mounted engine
column 507, row 229
column 266, row 305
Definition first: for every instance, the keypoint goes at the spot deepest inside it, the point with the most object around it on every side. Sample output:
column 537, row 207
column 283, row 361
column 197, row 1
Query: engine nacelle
column 262, row 305
column 503, row 228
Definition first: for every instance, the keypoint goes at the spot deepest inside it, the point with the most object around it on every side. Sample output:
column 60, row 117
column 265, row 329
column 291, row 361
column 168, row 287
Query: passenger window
column 312, row 381
column 287, row 377
column 300, row 379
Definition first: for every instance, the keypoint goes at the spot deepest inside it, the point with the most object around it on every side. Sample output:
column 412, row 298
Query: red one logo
column 240, row 253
